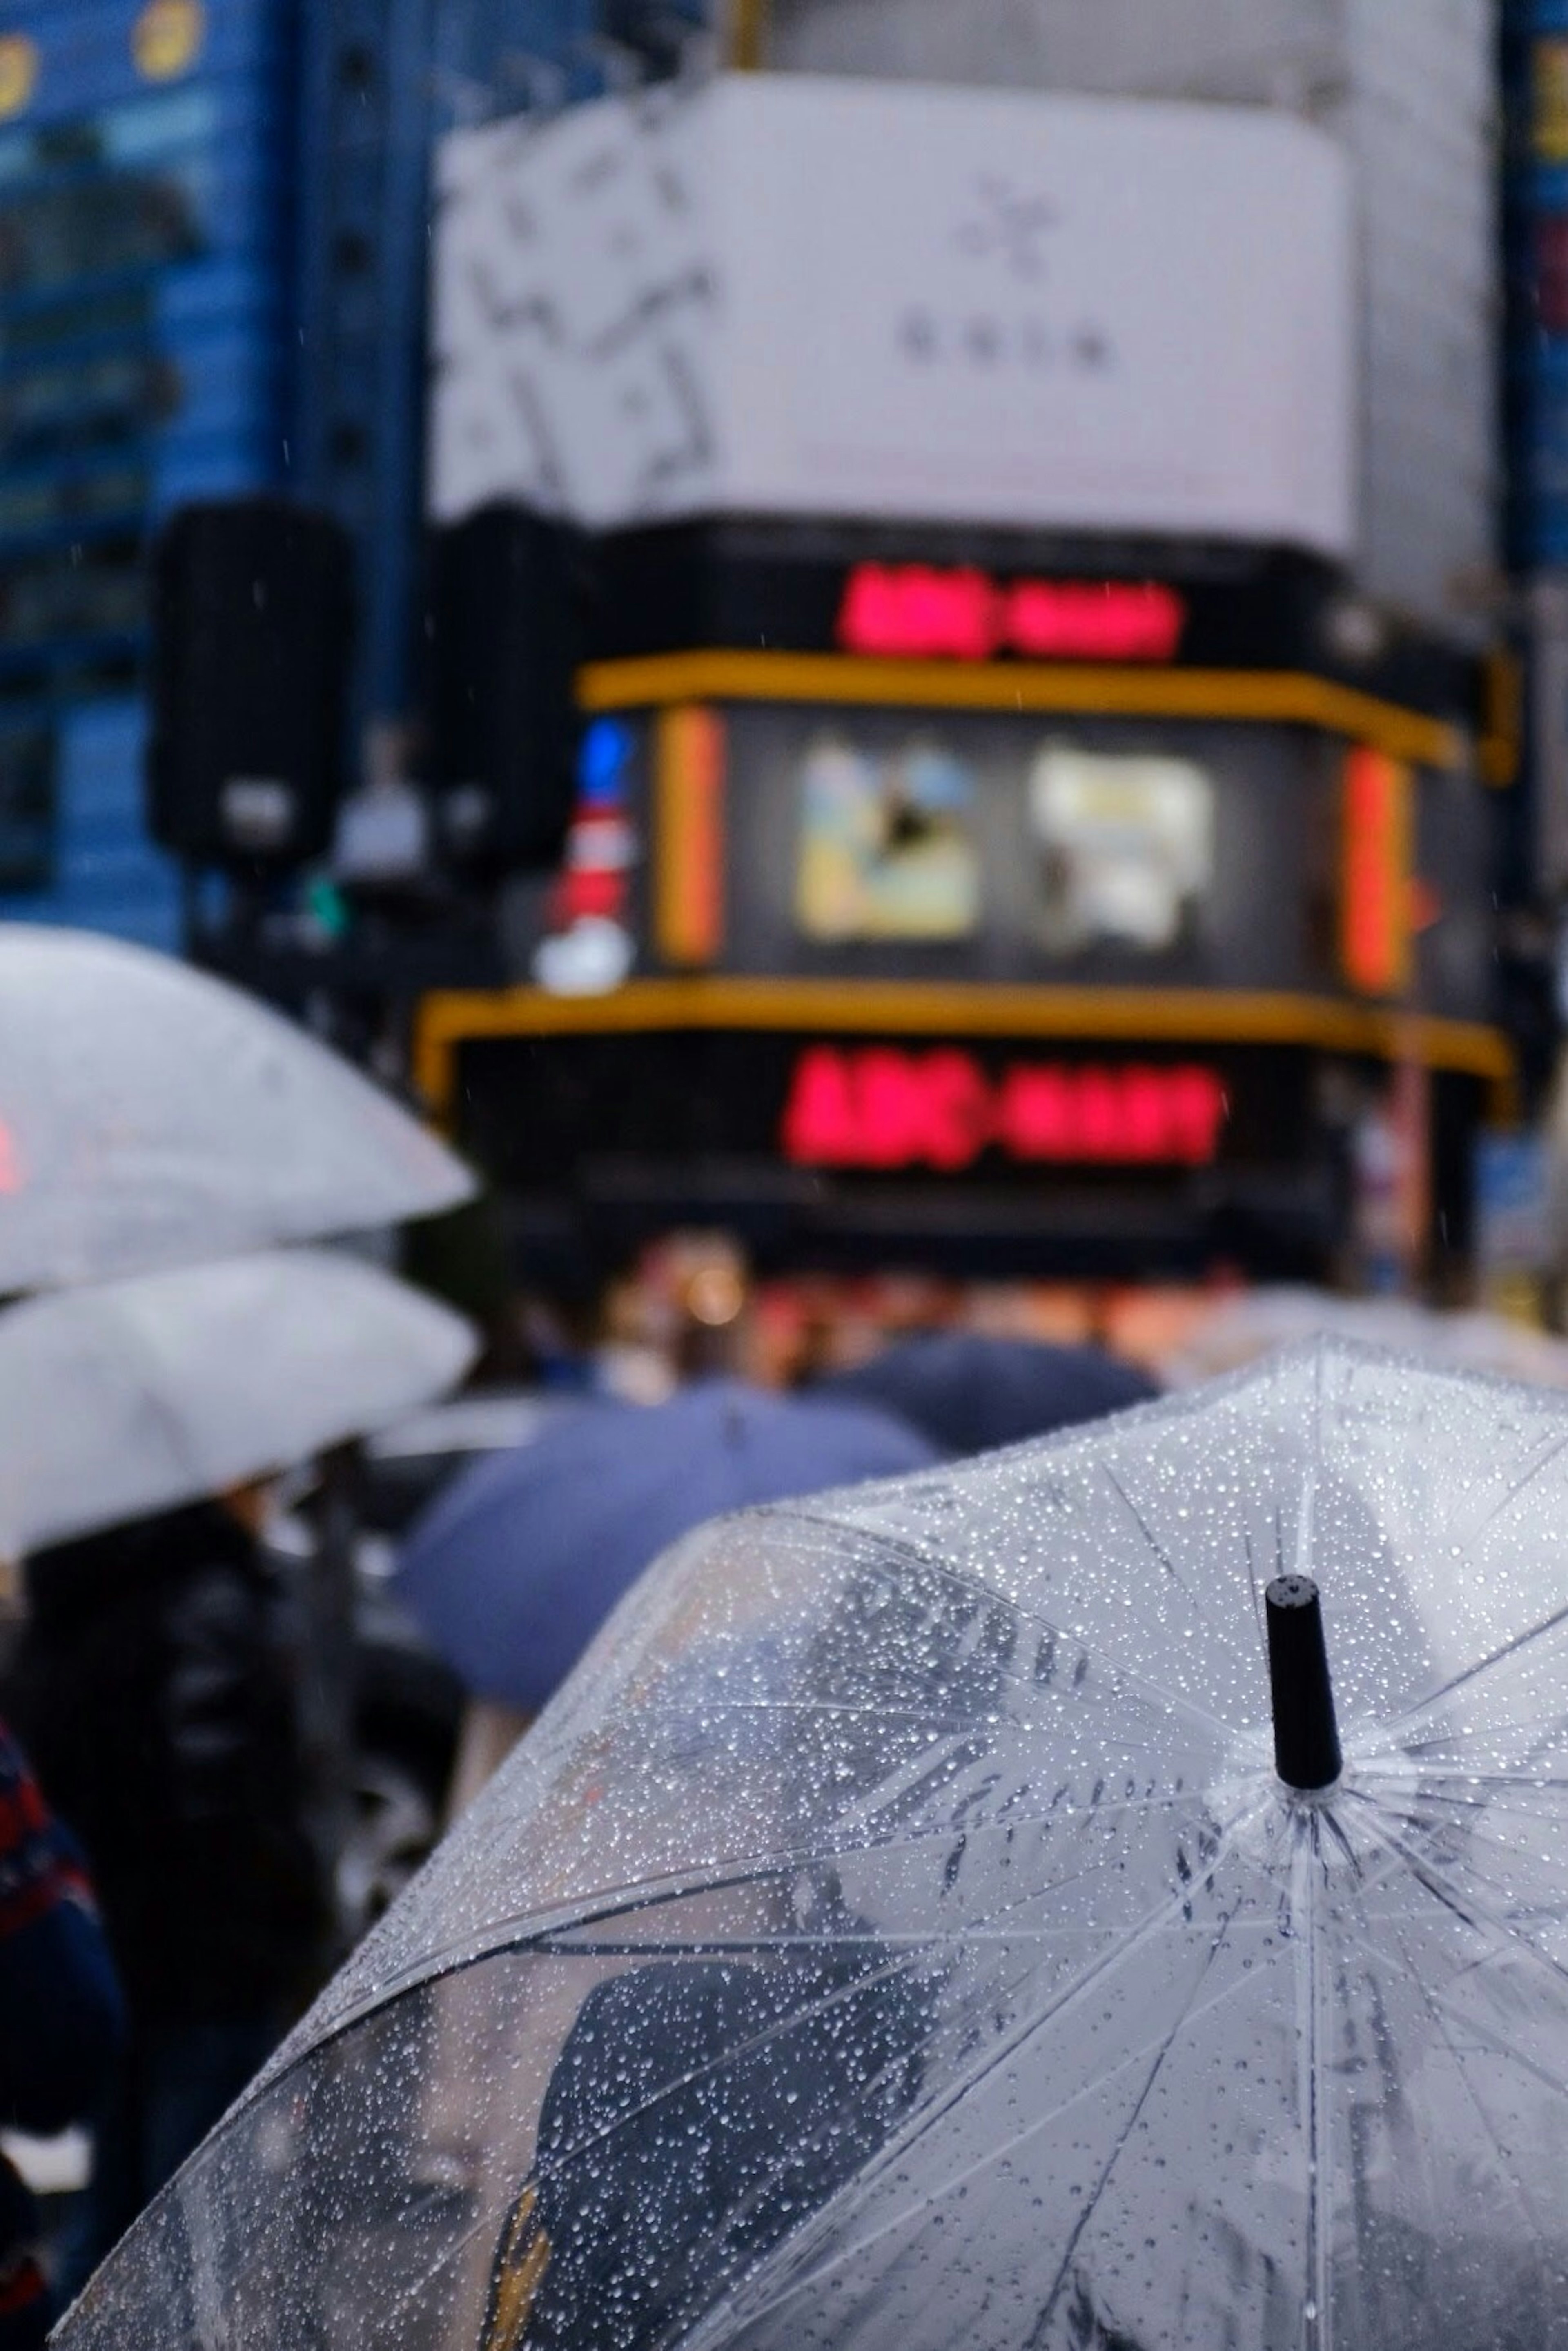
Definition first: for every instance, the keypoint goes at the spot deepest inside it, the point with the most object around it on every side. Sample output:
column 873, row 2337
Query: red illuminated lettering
column 958, row 1121
column 1198, row 1107
column 916, row 612
column 821, row 1127
column 11, row 1176
column 1036, row 1120
column 892, row 1109
column 879, row 1108
column 1146, row 1116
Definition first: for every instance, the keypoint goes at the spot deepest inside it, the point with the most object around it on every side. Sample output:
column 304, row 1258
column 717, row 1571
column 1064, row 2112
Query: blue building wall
column 213, row 264
column 146, row 265
column 1535, row 214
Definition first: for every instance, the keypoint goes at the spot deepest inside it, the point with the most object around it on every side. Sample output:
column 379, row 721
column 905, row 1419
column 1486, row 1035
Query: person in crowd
column 155, row 1693
column 703, row 2109
column 698, row 2112
column 61, row 2021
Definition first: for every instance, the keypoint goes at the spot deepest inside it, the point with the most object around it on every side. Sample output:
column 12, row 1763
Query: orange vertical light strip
column 689, row 773
column 1379, row 825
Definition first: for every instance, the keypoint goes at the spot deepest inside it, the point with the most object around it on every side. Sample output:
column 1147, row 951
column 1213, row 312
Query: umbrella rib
column 1552, row 1727
column 630, row 1901
column 1477, row 2025
column 1483, row 1665
column 1004, row 2148
column 1158, row 1549
column 1167, row 1702
column 786, row 2024
column 696, row 2074
column 1035, row 2338
column 1501, row 2043
column 1157, row 1923
column 872, row 1977
column 1475, row 1915
column 1544, row 1460
column 1306, row 1833
column 520, row 1929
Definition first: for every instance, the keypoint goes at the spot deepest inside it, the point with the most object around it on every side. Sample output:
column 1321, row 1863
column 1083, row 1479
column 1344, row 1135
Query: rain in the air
column 783, row 1176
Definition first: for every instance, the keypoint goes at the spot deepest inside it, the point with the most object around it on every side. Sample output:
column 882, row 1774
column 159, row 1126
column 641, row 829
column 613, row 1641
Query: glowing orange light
column 12, row 1179
column 880, row 1108
column 690, row 760
column 1377, row 898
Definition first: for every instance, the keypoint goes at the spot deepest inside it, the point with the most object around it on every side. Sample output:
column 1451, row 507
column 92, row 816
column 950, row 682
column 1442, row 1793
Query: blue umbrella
column 968, row 1393
column 519, row 1561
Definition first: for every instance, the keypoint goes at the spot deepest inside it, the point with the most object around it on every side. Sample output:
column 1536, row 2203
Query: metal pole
column 331, row 1680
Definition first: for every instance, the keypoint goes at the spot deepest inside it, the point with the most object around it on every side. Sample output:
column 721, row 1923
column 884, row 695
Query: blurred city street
column 783, row 1174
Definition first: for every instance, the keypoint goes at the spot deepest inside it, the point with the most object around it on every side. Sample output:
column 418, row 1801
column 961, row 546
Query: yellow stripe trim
column 1282, row 697
column 452, row 1018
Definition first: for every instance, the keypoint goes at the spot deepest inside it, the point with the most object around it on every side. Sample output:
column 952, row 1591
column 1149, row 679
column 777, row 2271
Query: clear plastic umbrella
column 151, row 1115
column 938, row 1914
column 123, row 1400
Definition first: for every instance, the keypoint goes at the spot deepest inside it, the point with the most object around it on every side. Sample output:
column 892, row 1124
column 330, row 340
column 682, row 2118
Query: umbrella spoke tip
column 1306, row 1735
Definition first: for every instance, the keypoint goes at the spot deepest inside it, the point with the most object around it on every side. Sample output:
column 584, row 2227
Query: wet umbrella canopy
column 898, row 1936
column 150, row 1116
column 520, row 1560
column 119, row 1401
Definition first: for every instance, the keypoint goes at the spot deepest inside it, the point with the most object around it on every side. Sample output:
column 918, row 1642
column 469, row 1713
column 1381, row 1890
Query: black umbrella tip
column 1306, row 1735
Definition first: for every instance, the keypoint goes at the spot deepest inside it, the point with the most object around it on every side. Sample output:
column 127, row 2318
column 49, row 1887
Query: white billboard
column 795, row 296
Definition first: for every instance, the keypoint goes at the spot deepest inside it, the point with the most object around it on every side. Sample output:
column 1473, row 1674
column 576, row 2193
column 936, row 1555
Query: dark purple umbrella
column 517, row 1562
column 968, row 1393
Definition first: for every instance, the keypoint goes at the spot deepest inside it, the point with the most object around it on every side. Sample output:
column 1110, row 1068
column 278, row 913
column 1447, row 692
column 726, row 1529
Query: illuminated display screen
column 1126, row 848
column 916, row 611
column 888, row 847
column 905, row 838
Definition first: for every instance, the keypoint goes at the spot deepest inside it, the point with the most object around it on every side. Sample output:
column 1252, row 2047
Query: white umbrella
column 150, row 1116
column 130, row 1398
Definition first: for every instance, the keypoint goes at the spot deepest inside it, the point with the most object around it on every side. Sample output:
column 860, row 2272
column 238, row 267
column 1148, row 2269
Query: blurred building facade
column 1229, row 659
column 1012, row 827
column 1410, row 91
column 145, row 179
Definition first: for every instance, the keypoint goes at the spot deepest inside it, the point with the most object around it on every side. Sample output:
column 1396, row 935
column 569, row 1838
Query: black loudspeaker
column 503, row 639
column 252, row 634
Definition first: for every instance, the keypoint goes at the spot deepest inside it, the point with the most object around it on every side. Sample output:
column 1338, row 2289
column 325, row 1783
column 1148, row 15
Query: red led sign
column 876, row 1107
column 916, row 612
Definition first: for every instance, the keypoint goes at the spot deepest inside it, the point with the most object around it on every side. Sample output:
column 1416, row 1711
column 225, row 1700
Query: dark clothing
column 153, row 1686
column 153, row 1694
column 173, row 2084
column 60, row 2019
column 698, row 2112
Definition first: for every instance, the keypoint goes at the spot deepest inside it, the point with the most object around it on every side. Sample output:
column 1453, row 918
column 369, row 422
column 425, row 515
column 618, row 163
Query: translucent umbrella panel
column 151, row 1115
column 132, row 1397
column 897, row 1935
